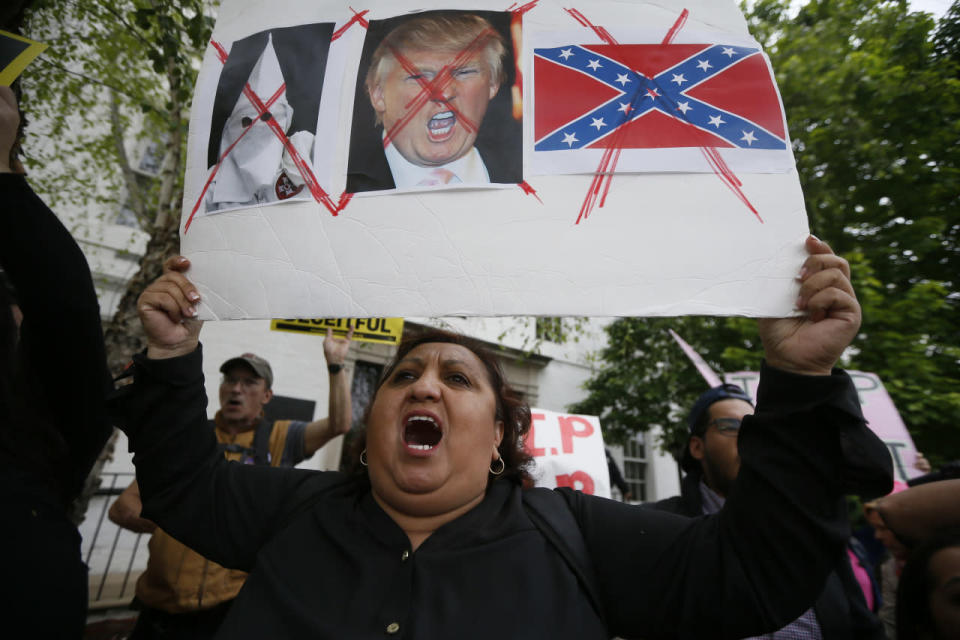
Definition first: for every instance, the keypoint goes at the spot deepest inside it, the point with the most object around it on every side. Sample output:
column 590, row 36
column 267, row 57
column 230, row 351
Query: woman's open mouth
column 440, row 126
column 421, row 433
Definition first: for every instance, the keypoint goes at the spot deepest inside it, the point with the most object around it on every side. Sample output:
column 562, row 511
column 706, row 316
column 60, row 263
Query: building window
column 635, row 467
column 152, row 159
column 126, row 217
column 550, row 329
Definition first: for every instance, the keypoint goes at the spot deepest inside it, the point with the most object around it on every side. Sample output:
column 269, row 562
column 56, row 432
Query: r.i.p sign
column 568, row 452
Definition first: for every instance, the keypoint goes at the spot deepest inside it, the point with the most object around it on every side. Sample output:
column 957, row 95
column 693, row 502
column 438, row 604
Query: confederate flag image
column 654, row 96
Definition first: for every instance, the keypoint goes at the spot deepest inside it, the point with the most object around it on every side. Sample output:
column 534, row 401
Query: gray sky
column 936, row 7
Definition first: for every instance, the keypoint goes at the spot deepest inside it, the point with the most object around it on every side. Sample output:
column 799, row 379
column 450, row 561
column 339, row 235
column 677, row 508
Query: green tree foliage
column 872, row 95
column 946, row 42
column 118, row 76
column 646, row 380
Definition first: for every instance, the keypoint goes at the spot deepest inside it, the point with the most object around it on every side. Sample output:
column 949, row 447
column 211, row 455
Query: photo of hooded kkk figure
column 269, row 90
column 434, row 103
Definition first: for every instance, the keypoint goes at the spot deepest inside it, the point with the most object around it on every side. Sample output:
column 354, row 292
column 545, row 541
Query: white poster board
column 568, row 452
column 303, row 196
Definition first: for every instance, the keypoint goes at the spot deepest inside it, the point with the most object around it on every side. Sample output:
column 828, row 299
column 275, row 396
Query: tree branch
column 123, row 20
column 138, row 99
column 129, row 177
column 170, row 168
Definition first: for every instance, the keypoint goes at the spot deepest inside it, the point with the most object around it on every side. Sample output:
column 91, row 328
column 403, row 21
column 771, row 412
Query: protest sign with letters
column 415, row 159
column 376, row 330
column 568, row 452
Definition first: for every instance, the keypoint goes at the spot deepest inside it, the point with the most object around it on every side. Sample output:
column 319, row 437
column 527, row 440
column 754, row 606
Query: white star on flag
column 622, row 79
column 625, row 107
column 653, row 93
column 749, row 138
column 569, row 138
column 598, row 122
column 565, row 53
column 594, row 64
column 678, row 78
column 704, row 64
column 717, row 121
column 729, row 52
column 683, row 107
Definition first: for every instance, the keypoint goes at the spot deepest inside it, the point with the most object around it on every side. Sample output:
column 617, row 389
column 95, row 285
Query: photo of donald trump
column 432, row 89
column 264, row 120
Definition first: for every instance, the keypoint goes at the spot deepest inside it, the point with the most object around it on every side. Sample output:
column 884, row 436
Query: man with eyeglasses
column 181, row 594
column 711, row 461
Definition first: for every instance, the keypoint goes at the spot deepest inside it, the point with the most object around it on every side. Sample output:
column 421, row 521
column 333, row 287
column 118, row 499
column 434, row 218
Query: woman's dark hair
column 511, row 408
column 914, row 618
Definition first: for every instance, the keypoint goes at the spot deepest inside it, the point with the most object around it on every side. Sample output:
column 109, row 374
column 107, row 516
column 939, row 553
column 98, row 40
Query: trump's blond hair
column 447, row 31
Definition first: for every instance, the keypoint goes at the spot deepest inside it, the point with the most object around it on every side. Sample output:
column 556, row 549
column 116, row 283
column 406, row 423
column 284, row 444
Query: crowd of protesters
column 437, row 528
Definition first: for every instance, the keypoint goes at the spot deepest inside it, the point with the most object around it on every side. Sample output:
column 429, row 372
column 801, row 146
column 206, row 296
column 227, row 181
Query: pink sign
column 712, row 378
column 882, row 417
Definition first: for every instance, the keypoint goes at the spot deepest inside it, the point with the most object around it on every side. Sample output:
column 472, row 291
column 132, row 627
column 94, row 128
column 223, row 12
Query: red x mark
column 600, row 186
column 530, row 191
column 522, row 9
column 357, row 18
column 433, row 90
column 602, row 33
column 516, row 22
column 263, row 116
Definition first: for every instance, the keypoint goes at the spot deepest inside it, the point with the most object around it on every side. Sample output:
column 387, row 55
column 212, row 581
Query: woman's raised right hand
column 167, row 309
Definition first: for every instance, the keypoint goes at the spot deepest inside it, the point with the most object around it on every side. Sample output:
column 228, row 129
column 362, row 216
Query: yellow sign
column 16, row 52
column 379, row 330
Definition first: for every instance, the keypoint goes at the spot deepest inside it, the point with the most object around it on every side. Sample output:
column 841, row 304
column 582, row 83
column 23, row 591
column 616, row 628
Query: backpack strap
column 261, row 442
column 551, row 515
column 259, row 452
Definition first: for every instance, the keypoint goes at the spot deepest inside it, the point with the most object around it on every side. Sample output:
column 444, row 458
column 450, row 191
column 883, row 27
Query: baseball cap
column 700, row 407
column 707, row 398
column 260, row 366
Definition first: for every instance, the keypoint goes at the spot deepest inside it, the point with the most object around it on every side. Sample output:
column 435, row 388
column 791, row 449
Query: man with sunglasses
column 711, row 462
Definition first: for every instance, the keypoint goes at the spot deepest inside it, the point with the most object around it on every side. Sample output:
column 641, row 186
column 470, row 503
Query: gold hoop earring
column 503, row 466
column 363, row 457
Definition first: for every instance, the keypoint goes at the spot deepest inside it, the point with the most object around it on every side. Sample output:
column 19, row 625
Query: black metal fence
column 115, row 556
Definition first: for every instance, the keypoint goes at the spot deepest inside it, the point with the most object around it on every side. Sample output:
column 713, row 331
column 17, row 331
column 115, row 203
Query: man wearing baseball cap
column 182, row 594
column 711, row 461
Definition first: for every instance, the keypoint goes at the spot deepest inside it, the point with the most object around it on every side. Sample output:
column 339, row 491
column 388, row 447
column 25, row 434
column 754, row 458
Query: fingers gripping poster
column 401, row 159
